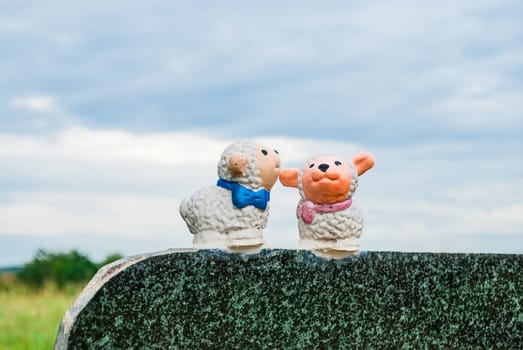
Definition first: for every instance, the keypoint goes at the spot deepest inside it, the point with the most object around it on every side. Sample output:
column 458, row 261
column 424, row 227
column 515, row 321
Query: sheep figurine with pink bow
column 329, row 223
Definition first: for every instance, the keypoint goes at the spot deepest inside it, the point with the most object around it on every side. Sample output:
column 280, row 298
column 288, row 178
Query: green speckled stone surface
column 291, row 299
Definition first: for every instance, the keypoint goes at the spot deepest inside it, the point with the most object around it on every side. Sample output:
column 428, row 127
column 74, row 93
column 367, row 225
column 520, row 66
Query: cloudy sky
column 112, row 111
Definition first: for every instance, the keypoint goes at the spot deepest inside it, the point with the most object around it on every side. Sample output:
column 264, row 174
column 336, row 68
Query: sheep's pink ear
column 237, row 164
column 289, row 177
column 363, row 162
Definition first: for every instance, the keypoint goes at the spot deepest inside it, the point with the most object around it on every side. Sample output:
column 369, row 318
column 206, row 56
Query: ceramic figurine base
column 331, row 249
column 334, row 253
column 246, row 241
column 292, row 299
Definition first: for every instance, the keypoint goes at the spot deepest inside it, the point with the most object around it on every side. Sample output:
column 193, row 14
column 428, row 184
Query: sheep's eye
column 275, row 151
column 338, row 163
column 264, row 151
column 310, row 166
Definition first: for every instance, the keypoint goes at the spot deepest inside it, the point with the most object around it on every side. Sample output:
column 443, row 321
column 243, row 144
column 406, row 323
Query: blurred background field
column 29, row 319
column 35, row 297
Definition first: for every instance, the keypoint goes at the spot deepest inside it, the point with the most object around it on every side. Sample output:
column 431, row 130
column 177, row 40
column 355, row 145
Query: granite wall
column 291, row 299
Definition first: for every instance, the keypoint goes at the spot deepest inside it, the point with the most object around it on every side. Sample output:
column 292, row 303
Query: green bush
column 60, row 268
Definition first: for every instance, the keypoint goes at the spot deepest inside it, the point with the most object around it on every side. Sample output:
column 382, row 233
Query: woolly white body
column 339, row 231
column 216, row 223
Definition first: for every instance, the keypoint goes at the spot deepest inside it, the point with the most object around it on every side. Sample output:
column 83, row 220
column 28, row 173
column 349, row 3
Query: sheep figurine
column 232, row 214
column 328, row 222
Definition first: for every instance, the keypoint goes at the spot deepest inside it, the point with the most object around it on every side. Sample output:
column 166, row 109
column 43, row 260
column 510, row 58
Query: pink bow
column 306, row 209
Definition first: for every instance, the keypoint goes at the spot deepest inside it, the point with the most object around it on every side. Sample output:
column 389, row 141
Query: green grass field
column 29, row 319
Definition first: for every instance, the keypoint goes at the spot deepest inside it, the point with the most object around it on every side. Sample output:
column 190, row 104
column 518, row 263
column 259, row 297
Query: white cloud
column 82, row 143
column 36, row 103
column 76, row 213
column 153, row 148
column 66, row 39
column 367, row 61
column 497, row 110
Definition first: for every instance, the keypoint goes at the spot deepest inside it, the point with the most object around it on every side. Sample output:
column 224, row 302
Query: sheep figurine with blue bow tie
column 232, row 214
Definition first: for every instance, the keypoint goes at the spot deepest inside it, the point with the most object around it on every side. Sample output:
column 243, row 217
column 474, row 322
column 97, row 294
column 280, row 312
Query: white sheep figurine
column 328, row 222
column 232, row 214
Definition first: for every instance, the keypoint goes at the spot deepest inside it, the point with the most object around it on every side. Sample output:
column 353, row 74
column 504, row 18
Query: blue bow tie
column 242, row 197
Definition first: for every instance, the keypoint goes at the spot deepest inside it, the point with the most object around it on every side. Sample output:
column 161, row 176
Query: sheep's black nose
column 323, row 167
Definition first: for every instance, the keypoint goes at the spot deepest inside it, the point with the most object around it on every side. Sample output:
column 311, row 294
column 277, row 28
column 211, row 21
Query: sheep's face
column 250, row 164
column 268, row 164
column 326, row 180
